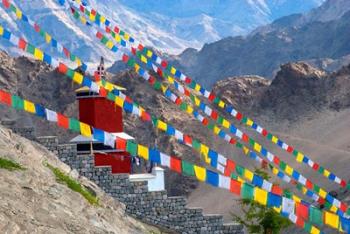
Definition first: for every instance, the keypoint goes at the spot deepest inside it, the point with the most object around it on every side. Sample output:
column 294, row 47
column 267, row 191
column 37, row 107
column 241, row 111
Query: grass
column 10, row 165
column 74, row 185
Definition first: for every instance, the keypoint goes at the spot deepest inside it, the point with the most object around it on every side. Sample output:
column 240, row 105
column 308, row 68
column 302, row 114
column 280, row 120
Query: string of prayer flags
column 272, row 158
column 210, row 177
column 117, row 33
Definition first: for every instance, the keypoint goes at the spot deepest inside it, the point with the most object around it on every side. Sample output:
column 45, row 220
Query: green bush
column 10, row 165
column 74, row 185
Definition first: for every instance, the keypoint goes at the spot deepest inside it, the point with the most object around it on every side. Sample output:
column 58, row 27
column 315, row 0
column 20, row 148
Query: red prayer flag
column 5, row 98
column 188, row 80
column 175, row 164
column 343, row 207
column 315, row 166
column 214, row 115
column 276, row 160
column 233, row 141
column 245, row 137
column 164, row 64
column 187, row 92
column 302, row 211
column 211, row 97
column 205, row 122
column 116, row 29
column 125, row 58
column 36, row 28
column 239, row 116
column 66, row 52
column 108, row 29
column 343, row 183
column 300, row 222
column 276, row 190
column 264, row 132
column 22, row 44
column 120, row 143
column 308, row 184
column 290, row 149
column 62, row 121
column 235, row 187
column 99, row 35
column 188, row 139
column 6, row 3
column 62, row 68
column 140, row 47
column 103, row 92
column 230, row 167
column 93, row 11
column 81, row 8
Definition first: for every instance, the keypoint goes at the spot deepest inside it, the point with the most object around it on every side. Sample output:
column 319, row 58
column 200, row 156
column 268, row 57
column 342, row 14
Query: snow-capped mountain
column 168, row 25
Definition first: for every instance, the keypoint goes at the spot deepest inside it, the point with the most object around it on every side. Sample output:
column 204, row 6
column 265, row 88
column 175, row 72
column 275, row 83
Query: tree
column 258, row 218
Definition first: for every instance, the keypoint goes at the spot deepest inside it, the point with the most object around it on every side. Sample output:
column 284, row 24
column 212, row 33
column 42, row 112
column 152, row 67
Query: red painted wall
column 119, row 161
column 101, row 113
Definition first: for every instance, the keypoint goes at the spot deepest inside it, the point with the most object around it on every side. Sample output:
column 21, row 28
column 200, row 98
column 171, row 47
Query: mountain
column 321, row 34
column 170, row 26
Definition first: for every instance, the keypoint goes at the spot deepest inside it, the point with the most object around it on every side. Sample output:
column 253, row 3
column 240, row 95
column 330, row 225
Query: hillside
column 33, row 202
column 306, row 106
column 293, row 38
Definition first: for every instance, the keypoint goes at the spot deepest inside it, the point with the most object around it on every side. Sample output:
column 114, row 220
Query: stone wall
column 155, row 208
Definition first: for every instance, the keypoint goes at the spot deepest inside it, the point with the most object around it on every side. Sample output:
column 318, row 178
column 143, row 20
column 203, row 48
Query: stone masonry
column 155, row 208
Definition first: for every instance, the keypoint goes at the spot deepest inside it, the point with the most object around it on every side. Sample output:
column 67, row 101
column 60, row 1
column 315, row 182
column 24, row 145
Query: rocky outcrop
column 33, row 202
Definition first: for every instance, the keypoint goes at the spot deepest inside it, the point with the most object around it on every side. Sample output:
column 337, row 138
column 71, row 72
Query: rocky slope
column 33, row 202
column 321, row 34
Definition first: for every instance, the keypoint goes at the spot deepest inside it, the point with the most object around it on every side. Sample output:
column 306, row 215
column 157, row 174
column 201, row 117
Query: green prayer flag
column 269, row 136
column 30, row 48
column 283, row 165
column 247, row 191
column 131, row 147
column 70, row 73
column 196, row 145
column 74, row 125
column 240, row 170
column 183, row 106
column 315, row 215
column 17, row 102
column 220, row 120
column 307, row 227
column 104, row 40
column 157, row 85
column 188, row 168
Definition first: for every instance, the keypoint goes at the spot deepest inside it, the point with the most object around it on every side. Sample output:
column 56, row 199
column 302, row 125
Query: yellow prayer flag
column 274, row 139
column 47, row 38
column 248, row 174
column 245, row 150
column 119, row 101
column 85, row 130
column 38, row 54
column 142, row 151
column 161, row 125
column 275, row 171
column 173, row 70
column 225, row 124
column 260, row 196
column 78, row 78
column 149, row 53
column 83, row 20
column 326, row 173
column 109, row 44
column 204, row 149
column 102, row 19
column 331, row 219
column 29, row 106
column 189, row 109
column 143, row 59
column 221, row 104
column 289, row 170
column 250, row 122
column 333, row 209
column 197, row 101
column 240, row 179
column 137, row 67
column 117, row 38
column 257, row 147
column 109, row 86
column 216, row 130
column 92, row 17
column 296, row 199
column 197, row 87
column 200, row 173
column 278, row 209
column 1, row 30
column 300, row 157
column 126, row 36
column 18, row 14
column 171, row 80
column 314, row 230
column 322, row 193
